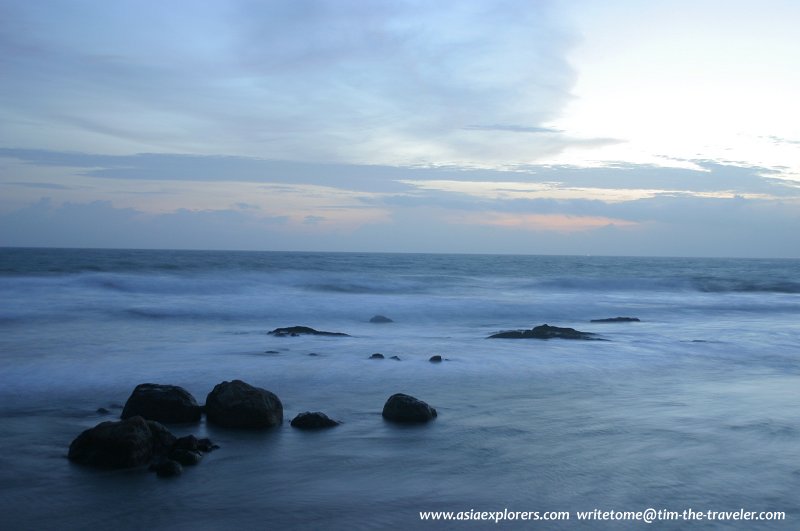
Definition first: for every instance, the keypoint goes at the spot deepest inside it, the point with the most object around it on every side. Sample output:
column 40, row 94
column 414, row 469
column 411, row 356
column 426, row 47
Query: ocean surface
column 695, row 407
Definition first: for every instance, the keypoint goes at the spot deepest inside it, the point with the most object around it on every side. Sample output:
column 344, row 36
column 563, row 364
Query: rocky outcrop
column 303, row 330
column 377, row 356
column 407, row 409
column 545, row 331
column 380, row 319
column 237, row 404
column 617, row 320
column 162, row 403
column 313, row 421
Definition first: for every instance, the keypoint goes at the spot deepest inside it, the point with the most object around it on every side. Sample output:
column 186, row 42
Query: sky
column 601, row 127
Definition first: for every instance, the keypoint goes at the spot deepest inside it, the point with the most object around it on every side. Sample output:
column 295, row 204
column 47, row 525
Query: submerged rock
column 313, row 421
column 377, row 356
column 237, row 404
column 396, row 358
column 380, row 319
column 303, row 330
column 407, row 409
column 162, row 403
column 545, row 331
column 114, row 444
column 617, row 320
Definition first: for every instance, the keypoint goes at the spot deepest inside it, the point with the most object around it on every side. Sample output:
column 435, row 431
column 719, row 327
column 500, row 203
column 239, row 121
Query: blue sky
column 582, row 127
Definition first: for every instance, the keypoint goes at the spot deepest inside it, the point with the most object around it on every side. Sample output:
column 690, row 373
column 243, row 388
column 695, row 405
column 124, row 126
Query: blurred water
column 694, row 407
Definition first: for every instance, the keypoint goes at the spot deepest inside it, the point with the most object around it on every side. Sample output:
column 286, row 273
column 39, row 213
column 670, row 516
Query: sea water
column 697, row 406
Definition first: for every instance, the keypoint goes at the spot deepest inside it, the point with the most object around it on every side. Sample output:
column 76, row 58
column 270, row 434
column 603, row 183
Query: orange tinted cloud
column 545, row 222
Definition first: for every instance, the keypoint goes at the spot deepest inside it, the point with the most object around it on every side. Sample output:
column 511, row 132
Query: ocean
column 695, row 407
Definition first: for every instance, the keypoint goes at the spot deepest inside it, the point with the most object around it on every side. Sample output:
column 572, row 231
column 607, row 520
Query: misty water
column 696, row 406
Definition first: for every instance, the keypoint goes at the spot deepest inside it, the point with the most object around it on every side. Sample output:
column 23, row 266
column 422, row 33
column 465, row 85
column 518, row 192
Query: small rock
column 313, row 421
column 407, row 409
column 205, row 445
column 103, row 411
column 617, row 320
column 167, row 468
column 295, row 331
column 188, row 442
column 380, row 319
column 185, row 457
column 376, row 356
column 397, row 358
column 435, row 359
column 544, row 331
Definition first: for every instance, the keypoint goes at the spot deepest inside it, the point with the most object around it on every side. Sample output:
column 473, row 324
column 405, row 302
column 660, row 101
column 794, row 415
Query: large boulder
column 544, row 331
column 407, row 409
column 115, row 444
column 237, row 404
column 162, row 403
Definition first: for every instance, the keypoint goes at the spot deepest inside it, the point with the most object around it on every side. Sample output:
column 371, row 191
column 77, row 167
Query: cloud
column 314, row 80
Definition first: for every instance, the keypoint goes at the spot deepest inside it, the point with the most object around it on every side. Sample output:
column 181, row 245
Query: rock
column 114, row 444
column 435, row 359
column 376, row 356
column 617, row 320
column 167, row 468
column 397, row 358
column 163, row 440
column 162, row 403
column 185, row 457
column 313, row 421
column 103, row 411
column 407, row 409
column 380, row 319
column 303, row 330
column 237, row 404
column 544, row 331
column 189, row 442
column 205, row 445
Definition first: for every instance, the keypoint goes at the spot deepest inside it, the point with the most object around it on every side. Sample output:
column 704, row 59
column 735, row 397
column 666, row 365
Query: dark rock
column 189, row 442
column 205, row 445
column 103, row 411
column 395, row 358
column 185, row 457
column 617, row 320
column 544, row 332
column 114, row 444
column 162, row 403
column 404, row 408
column 314, row 354
column 295, row 331
column 376, row 356
column 435, row 359
column 163, row 440
column 237, row 404
column 313, row 421
column 380, row 319
column 167, row 468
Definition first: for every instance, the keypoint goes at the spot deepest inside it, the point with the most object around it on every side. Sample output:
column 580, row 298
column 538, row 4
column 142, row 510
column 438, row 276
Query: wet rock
column 376, row 356
column 380, row 319
column 114, row 444
column 185, row 457
column 237, row 404
column 396, row 358
column 163, row 440
column 435, row 359
column 617, row 320
column 167, row 468
column 407, row 409
column 313, row 421
column 545, row 331
column 294, row 331
column 103, row 411
column 205, row 445
column 162, row 403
